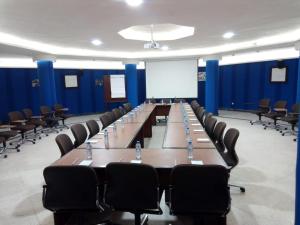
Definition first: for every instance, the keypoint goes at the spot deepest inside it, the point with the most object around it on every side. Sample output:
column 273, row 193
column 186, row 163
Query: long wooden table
column 122, row 142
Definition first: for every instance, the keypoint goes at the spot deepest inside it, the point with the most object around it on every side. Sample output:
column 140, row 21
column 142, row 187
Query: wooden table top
column 175, row 136
column 158, row 158
column 119, row 139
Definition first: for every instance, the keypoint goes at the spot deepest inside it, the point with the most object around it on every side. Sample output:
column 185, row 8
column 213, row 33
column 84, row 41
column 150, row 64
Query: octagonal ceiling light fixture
column 161, row 32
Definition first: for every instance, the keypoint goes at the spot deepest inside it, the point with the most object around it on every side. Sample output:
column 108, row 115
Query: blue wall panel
column 239, row 84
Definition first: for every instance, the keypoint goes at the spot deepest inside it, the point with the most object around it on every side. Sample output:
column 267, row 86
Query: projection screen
column 172, row 79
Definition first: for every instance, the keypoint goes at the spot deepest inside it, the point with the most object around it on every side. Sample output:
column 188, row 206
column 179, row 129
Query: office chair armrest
column 44, row 195
column 99, row 206
column 294, row 114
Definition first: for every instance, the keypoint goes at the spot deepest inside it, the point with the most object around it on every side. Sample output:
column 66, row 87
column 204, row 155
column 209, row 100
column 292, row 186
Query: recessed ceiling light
column 228, row 35
column 134, row 3
column 96, row 42
column 165, row 48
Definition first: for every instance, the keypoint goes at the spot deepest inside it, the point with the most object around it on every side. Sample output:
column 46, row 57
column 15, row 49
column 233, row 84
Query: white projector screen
column 170, row 79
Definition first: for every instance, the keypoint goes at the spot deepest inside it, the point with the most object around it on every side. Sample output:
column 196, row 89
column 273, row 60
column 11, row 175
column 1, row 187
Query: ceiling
column 66, row 27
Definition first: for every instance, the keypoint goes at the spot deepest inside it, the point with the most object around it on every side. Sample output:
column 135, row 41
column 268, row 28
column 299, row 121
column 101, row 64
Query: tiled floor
column 267, row 170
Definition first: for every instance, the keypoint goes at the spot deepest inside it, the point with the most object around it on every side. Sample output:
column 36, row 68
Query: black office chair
column 210, row 125
column 206, row 116
column 292, row 119
column 111, row 117
column 150, row 101
column 217, row 136
column 37, row 122
column 60, row 111
column 279, row 110
column 23, row 127
column 8, row 136
column 133, row 188
column 127, row 107
column 201, row 192
column 93, row 127
column 122, row 110
column 229, row 155
column 74, row 190
column 263, row 108
column 64, row 143
column 105, row 120
column 179, row 100
column 2, row 149
column 117, row 113
column 200, row 114
column 50, row 118
column 79, row 133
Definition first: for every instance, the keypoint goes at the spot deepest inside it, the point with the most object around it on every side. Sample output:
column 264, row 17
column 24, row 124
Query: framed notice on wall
column 71, row 81
column 278, row 75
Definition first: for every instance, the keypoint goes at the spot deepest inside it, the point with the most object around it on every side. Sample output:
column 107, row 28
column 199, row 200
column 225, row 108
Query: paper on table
column 85, row 162
column 197, row 162
column 193, row 119
column 92, row 141
column 198, row 130
column 202, row 140
column 136, row 161
column 101, row 133
column 119, row 120
column 111, row 126
column 196, row 124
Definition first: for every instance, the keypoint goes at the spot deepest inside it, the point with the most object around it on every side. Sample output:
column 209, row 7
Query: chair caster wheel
column 34, row 140
column 33, row 143
column 40, row 138
column 18, row 150
column 265, row 128
column 295, row 140
column 281, row 131
column 10, row 143
column 243, row 190
column 61, row 129
column 282, row 134
column 47, row 135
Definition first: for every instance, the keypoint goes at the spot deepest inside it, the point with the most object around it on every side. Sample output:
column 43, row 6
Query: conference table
column 137, row 125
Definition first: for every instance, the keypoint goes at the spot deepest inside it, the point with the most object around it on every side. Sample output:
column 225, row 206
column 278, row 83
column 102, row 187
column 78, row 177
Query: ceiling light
column 228, row 35
column 134, row 3
column 165, row 48
column 96, row 42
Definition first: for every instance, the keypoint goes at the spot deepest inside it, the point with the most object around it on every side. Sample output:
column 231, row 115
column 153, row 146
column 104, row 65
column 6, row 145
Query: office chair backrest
column 280, row 104
column 178, row 100
column 206, row 116
column 127, row 107
column 264, row 103
column 105, row 120
column 210, row 125
column 199, row 189
column 64, row 143
column 71, row 188
column 27, row 113
column 217, row 136
column 117, row 113
column 150, row 100
column 80, row 134
column 111, row 117
column 122, row 110
column 296, row 108
column 132, row 186
column 200, row 116
column 93, row 127
column 15, row 115
column 58, row 107
column 45, row 110
column 230, row 140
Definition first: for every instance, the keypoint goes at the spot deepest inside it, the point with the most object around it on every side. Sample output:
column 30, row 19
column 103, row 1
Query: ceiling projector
column 151, row 45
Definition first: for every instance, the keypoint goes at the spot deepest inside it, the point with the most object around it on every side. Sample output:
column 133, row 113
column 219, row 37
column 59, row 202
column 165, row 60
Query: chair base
column 140, row 221
column 242, row 189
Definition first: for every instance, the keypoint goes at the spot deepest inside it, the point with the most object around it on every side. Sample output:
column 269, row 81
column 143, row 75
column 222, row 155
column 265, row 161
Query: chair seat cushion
column 291, row 119
column 273, row 115
column 8, row 134
column 24, row 128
